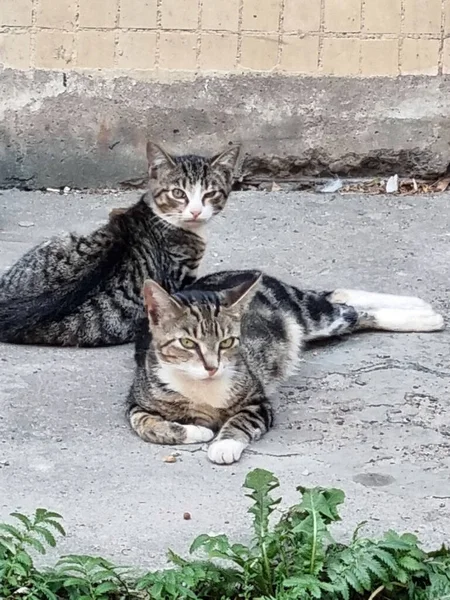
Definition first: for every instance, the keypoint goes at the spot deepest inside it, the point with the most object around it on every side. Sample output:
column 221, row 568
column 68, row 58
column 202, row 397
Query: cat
column 210, row 358
column 79, row 290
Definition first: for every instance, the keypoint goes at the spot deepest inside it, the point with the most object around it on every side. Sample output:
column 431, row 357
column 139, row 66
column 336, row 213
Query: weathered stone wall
column 309, row 86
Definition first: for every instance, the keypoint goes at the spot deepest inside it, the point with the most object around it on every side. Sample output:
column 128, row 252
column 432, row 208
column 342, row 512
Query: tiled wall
column 157, row 38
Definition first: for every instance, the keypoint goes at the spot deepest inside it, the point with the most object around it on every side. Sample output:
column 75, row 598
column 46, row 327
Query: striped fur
column 187, row 395
column 86, row 290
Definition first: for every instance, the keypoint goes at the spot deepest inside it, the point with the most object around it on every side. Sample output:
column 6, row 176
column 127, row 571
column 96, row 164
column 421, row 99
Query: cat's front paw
column 226, row 452
column 196, row 434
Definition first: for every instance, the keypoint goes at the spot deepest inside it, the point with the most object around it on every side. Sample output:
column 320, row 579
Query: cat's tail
column 21, row 315
column 389, row 312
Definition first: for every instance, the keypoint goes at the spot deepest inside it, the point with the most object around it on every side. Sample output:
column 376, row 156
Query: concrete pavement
column 370, row 414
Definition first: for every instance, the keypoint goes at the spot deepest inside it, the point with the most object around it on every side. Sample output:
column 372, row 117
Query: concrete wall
column 300, row 82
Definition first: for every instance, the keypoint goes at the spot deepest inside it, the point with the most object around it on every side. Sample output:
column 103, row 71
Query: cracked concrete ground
column 369, row 414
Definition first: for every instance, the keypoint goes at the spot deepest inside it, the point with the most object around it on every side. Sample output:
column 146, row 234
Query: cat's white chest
column 213, row 392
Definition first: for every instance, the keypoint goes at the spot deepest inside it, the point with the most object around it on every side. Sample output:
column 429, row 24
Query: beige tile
column 179, row 15
column 259, row 53
column 97, row 13
column 15, row 12
column 340, row 56
column 382, row 16
column 261, row 15
column 446, row 56
column 178, row 51
column 95, row 49
column 419, row 57
column 379, row 57
column 301, row 15
column 300, row 54
column 422, row 16
column 220, row 15
column 136, row 50
column 54, row 49
column 218, row 51
column 58, row 14
column 343, row 15
column 15, row 50
column 139, row 14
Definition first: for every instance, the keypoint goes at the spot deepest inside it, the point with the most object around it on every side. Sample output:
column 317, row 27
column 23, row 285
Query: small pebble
column 25, row 224
column 187, row 516
column 170, row 459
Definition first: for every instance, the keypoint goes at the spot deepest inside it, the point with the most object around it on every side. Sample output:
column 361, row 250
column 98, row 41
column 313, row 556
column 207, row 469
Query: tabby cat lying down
column 210, row 358
column 79, row 290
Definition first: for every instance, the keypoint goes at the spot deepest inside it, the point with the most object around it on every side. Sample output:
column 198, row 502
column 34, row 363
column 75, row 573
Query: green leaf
column 24, row 558
column 56, row 526
column 107, row 586
column 47, row 535
column 23, row 519
column 13, row 531
column 8, row 544
column 37, row 545
column 410, row 564
column 75, row 582
column 261, row 483
column 322, row 501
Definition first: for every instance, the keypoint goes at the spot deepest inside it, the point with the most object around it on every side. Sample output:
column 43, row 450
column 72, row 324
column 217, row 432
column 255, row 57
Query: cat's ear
column 240, row 296
column 157, row 157
column 159, row 304
column 227, row 160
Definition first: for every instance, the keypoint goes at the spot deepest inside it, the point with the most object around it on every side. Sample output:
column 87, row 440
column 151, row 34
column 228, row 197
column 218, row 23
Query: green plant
column 293, row 557
column 18, row 575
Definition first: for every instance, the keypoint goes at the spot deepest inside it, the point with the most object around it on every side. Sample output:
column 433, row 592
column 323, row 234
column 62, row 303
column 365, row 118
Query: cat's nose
column 211, row 371
column 195, row 213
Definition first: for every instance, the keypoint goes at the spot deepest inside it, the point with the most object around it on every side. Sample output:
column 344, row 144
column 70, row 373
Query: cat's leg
column 153, row 428
column 389, row 312
column 246, row 426
column 328, row 314
column 364, row 300
column 323, row 319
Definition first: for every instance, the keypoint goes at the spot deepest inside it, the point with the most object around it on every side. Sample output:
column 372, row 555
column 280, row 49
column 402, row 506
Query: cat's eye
column 227, row 343
column 210, row 195
column 178, row 194
column 187, row 343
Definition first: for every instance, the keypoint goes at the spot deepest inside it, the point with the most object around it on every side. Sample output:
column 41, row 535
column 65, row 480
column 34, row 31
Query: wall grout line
column 239, row 32
column 21, row 29
column 198, row 48
column 117, row 31
column 401, row 36
column 321, row 36
column 441, row 41
column 76, row 28
column 158, row 33
column 33, row 32
column 280, row 32
column 362, row 16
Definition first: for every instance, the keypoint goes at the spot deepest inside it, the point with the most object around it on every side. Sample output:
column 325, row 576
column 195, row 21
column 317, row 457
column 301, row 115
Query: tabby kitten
column 211, row 357
column 86, row 290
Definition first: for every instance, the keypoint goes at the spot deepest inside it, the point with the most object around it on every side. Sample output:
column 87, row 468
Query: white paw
column 414, row 319
column 429, row 321
column 196, row 434
column 226, row 452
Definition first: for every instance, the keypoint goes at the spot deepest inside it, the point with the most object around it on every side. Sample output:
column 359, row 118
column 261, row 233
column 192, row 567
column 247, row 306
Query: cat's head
column 188, row 191
column 197, row 333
